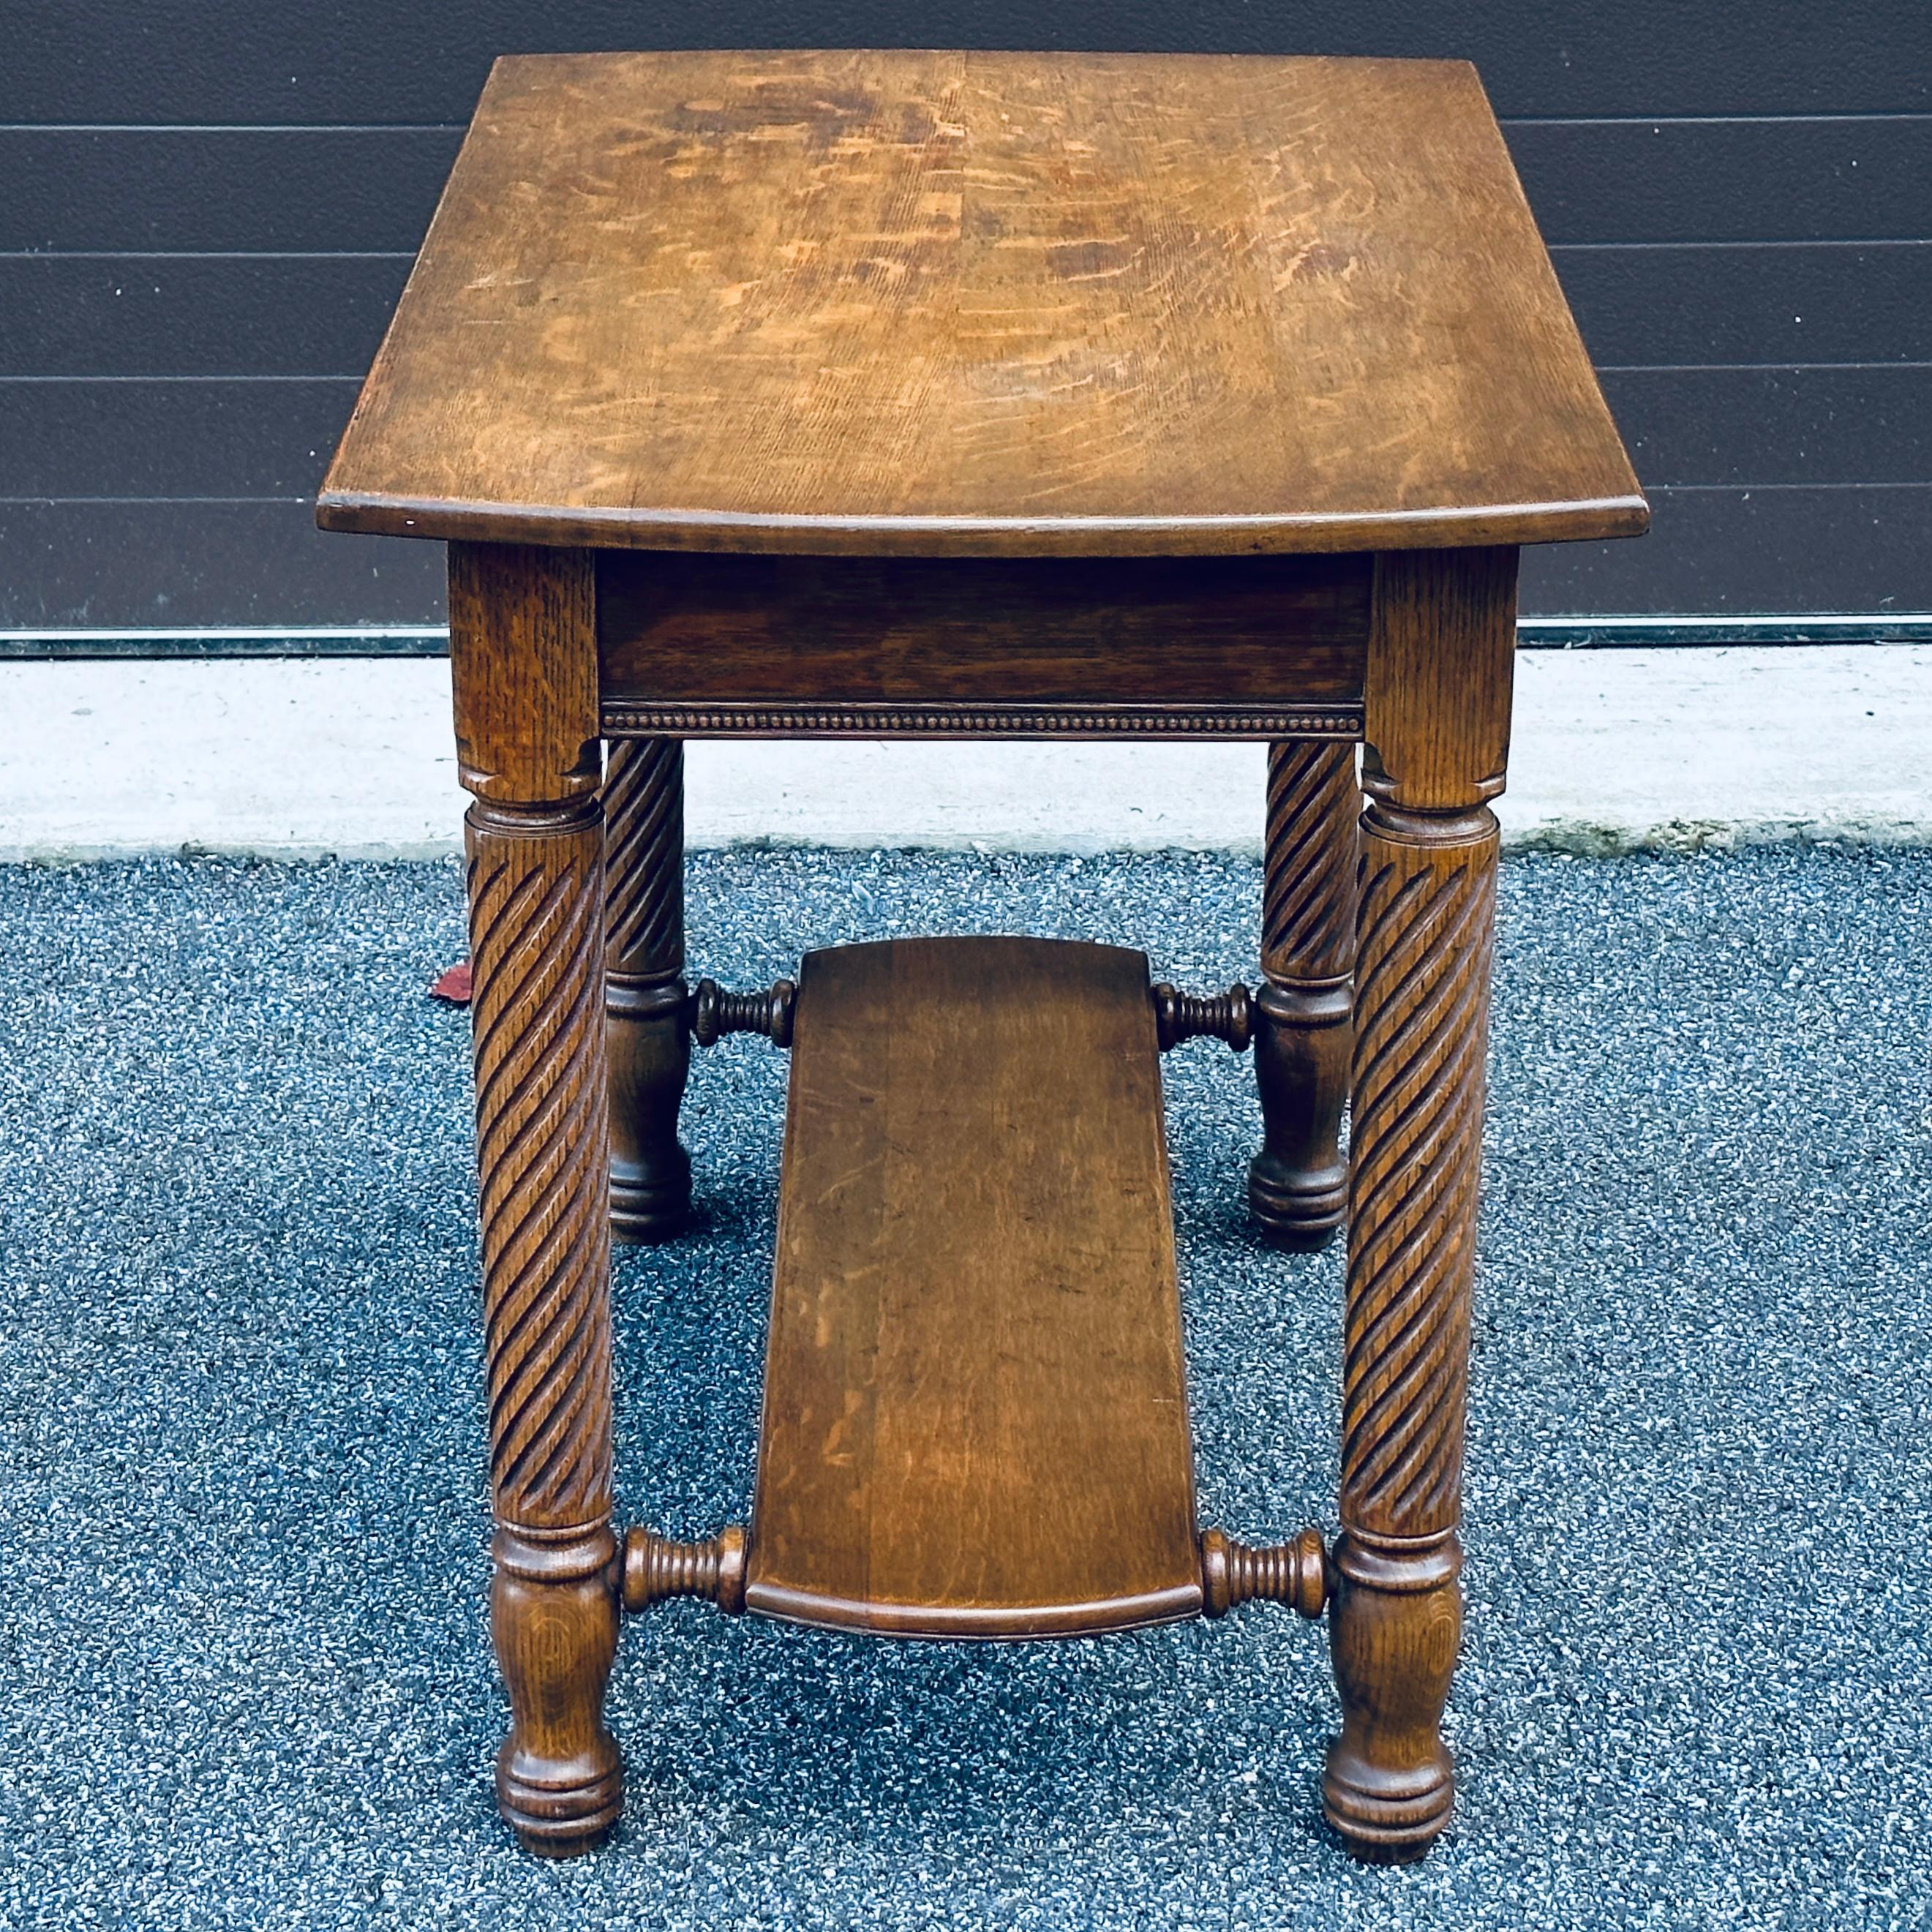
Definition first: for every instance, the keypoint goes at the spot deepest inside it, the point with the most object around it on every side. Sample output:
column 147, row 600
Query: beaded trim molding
column 624, row 719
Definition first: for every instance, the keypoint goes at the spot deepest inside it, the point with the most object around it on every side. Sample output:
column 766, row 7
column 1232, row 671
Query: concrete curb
column 1616, row 751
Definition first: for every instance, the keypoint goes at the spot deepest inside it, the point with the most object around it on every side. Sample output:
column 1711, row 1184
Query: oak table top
column 954, row 304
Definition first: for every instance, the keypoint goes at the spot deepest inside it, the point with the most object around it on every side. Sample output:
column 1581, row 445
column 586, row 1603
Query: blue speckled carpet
column 244, row 1679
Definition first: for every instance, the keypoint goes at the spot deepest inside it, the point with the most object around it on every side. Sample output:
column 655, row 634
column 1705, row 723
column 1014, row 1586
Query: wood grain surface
column 523, row 669
column 645, row 997
column 982, row 304
column 535, row 876
column 1437, row 745
column 975, row 1411
column 1216, row 634
column 1298, row 1183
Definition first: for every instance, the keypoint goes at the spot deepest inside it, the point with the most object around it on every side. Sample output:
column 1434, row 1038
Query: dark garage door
column 209, row 208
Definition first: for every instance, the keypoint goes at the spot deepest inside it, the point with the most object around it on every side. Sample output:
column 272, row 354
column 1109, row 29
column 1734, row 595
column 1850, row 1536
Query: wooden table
column 960, row 395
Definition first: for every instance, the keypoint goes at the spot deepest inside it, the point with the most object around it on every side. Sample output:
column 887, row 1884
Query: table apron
column 1255, row 647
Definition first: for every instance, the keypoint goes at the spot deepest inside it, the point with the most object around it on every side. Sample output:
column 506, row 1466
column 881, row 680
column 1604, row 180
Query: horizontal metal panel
column 163, row 439
column 1747, row 551
column 301, row 189
column 175, row 565
column 303, row 315
column 318, row 315
column 273, row 438
column 368, row 62
column 1756, row 426
column 1675, row 306
column 1728, row 180
column 304, row 189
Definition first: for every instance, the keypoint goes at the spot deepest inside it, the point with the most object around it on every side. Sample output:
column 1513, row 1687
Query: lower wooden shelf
column 975, row 1420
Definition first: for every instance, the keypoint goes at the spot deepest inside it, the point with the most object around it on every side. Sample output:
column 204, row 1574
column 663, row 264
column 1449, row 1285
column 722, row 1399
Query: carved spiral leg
column 1428, row 896
column 1297, row 1186
column 645, row 995
column 543, row 1144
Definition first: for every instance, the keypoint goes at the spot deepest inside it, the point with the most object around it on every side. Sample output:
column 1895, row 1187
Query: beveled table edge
column 996, row 1622
column 1285, row 533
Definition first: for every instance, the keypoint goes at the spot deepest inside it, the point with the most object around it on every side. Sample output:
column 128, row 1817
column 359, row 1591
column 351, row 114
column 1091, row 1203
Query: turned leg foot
column 1394, row 1625
column 646, row 1002
column 1298, row 1183
column 554, row 1619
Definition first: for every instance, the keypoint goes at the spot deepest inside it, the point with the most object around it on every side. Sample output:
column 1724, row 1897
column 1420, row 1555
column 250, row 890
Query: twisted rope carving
column 1421, row 1016
column 1308, row 912
column 644, row 808
column 543, row 1145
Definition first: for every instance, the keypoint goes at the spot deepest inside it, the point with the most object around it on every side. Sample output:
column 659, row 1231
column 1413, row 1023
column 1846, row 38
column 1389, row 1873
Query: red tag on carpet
column 454, row 985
